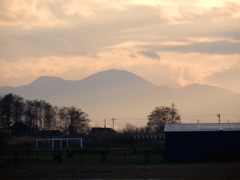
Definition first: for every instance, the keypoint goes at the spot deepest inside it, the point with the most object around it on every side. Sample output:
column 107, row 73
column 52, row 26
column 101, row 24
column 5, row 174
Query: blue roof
column 202, row 127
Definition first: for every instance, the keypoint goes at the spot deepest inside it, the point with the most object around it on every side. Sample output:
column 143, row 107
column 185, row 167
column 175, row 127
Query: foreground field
column 133, row 171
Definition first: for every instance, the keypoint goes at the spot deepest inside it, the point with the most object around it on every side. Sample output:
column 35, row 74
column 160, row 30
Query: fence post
column 37, row 157
column 103, row 157
column 134, row 150
column 81, row 153
column 16, row 157
column 27, row 152
column 59, row 157
column 146, row 156
column 124, row 157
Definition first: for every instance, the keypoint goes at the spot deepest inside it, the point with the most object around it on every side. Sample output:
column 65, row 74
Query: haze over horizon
column 129, row 98
column 171, row 43
column 49, row 76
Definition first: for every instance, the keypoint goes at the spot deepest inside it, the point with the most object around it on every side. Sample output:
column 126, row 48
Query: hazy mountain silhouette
column 118, row 93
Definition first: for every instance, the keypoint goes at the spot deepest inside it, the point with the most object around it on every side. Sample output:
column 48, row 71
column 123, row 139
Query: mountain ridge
column 55, row 78
column 118, row 93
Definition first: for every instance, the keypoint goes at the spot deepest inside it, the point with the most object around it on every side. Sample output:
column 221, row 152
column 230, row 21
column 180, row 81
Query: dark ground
column 124, row 171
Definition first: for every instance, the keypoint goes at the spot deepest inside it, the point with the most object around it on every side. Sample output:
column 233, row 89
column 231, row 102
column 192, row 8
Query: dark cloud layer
column 82, row 36
column 111, row 26
column 217, row 47
column 150, row 54
column 95, row 34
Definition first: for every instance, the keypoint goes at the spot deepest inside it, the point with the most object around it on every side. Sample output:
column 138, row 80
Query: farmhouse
column 20, row 129
column 202, row 142
column 102, row 131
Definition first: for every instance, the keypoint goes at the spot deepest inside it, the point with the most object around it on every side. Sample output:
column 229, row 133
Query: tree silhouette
column 129, row 129
column 78, row 121
column 64, row 119
column 41, row 115
column 7, row 111
column 161, row 116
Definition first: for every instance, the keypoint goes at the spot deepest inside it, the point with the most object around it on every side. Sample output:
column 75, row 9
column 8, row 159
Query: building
column 202, row 142
column 102, row 131
column 20, row 129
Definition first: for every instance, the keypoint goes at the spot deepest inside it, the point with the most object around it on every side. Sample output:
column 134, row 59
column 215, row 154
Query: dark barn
column 202, row 142
column 20, row 129
column 102, row 131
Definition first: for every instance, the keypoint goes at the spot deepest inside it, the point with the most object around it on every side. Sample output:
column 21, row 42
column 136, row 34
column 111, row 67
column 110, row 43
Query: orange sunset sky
column 172, row 43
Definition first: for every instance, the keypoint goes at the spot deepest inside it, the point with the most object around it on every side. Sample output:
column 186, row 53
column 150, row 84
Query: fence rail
column 89, row 156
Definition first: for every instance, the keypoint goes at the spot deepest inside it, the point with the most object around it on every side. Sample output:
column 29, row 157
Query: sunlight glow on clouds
column 185, row 41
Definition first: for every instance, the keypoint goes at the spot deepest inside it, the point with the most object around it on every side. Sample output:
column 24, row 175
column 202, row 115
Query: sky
column 173, row 43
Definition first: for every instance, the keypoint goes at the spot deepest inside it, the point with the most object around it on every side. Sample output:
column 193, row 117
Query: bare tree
column 161, row 116
column 7, row 111
column 129, row 129
column 49, row 116
column 79, row 122
column 64, row 119
column 12, row 108
column 39, row 114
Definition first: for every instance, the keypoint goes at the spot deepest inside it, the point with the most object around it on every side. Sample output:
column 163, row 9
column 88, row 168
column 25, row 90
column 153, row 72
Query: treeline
column 41, row 115
column 157, row 119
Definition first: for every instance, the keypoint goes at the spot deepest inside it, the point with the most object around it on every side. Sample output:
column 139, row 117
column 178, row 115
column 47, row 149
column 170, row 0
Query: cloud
column 195, row 39
column 28, row 69
column 174, row 69
column 216, row 47
column 46, row 28
column 227, row 78
column 27, row 14
column 79, row 35
column 151, row 54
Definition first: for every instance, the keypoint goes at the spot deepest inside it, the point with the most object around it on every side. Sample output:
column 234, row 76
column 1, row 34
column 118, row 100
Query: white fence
column 51, row 142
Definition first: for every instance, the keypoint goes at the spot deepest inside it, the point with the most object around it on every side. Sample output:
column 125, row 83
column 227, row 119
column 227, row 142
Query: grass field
column 122, row 171
column 108, row 164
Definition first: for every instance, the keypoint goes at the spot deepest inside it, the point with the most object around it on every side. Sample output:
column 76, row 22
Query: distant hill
column 130, row 98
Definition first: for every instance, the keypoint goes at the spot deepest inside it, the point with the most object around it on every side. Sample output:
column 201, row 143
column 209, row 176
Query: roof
column 19, row 125
column 98, row 130
column 202, row 127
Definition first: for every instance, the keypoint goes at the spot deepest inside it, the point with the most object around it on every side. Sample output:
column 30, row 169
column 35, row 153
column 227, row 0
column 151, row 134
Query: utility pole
column 113, row 119
column 219, row 117
column 105, row 123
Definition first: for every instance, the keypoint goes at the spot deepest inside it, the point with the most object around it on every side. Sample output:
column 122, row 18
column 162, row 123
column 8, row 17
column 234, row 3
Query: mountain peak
column 48, row 78
column 113, row 77
column 119, row 93
column 115, row 72
column 204, row 88
column 48, row 81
